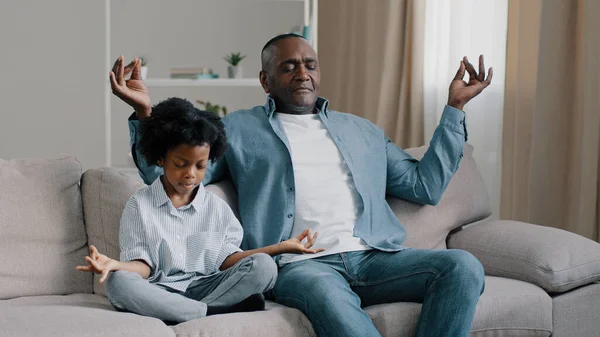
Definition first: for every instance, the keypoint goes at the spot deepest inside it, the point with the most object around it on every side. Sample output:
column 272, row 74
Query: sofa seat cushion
column 506, row 308
column 78, row 315
column 276, row 320
column 577, row 312
column 513, row 308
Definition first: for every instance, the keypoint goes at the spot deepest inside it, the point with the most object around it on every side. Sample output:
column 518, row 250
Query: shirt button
column 461, row 122
column 461, row 155
column 290, row 215
column 291, row 189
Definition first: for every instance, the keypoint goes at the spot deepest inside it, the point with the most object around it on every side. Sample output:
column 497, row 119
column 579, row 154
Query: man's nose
column 302, row 74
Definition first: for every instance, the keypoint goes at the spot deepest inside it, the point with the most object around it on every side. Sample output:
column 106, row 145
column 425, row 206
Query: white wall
column 53, row 71
column 52, row 79
column 193, row 33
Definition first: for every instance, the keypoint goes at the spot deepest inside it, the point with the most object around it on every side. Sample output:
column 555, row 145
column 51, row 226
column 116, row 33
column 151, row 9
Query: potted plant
column 234, row 70
column 144, row 68
column 214, row 108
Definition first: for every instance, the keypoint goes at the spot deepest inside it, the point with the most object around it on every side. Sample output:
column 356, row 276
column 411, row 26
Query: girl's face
column 184, row 167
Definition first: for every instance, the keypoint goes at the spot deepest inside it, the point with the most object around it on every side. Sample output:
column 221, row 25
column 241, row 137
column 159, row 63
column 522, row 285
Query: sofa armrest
column 554, row 259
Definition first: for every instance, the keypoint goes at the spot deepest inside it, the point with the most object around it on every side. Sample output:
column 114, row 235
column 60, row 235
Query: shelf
column 216, row 82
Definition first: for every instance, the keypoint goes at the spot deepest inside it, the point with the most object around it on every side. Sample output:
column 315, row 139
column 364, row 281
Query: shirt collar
column 199, row 198
column 161, row 197
column 321, row 104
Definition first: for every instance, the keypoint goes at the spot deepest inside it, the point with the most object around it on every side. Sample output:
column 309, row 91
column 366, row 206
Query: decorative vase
column 235, row 72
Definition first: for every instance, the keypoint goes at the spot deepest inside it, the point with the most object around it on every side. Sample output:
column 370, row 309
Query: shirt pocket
column 202, row 252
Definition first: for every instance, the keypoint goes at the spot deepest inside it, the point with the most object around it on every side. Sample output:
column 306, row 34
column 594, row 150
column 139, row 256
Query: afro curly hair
column 176, row 121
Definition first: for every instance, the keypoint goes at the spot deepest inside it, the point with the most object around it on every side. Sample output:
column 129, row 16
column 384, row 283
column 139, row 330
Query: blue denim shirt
column 259, row 164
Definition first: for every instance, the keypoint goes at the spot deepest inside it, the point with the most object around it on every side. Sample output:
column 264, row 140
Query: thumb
column 136, row 73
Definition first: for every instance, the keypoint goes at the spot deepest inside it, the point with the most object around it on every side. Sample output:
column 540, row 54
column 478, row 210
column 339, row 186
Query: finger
column 114, row 85
column 470, row 70
column 120, row 76
column 136, row 73
column 104, row 276
column 461, row 72
column 488, row 81
column 116, row 65
column 311, row 241
column 93, row 252
column 128, row 68
column 302, row 235
column 93, row 263
column 313, row 251
column 481, row 75
column 83, row 268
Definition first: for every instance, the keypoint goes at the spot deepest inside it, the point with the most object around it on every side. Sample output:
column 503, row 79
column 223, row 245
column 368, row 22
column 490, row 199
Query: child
column 180, row 256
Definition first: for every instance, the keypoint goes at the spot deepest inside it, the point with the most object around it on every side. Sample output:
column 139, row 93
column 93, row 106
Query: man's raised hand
column 132, row 91
column 461, row 92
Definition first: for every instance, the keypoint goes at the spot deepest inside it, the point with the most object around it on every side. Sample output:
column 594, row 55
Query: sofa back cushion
column 42, row 235
column 105, row 192
column 465, row 201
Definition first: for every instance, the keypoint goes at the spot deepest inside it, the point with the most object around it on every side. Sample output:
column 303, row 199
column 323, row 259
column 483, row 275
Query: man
column 297, row 164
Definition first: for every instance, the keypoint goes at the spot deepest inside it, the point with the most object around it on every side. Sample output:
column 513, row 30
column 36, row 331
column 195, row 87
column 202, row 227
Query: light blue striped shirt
column 179, row 244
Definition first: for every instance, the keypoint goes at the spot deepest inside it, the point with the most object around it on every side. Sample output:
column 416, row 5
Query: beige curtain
column 371, row 56
column 551, row 146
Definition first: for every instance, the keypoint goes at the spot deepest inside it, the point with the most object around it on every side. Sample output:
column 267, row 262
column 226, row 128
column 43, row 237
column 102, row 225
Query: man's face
column 293, row 76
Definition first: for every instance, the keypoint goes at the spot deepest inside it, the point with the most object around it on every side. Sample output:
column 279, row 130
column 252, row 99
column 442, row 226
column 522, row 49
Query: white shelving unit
column 310, row 19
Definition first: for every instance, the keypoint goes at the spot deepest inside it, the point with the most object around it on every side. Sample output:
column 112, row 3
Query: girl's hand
column 296, row 246
column 99, row 263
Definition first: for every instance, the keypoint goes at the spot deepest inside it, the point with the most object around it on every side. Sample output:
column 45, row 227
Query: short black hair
column 176, row 121
column 266, row 55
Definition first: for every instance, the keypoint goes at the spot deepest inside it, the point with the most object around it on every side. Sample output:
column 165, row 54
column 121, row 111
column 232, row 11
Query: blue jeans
column 331, row 290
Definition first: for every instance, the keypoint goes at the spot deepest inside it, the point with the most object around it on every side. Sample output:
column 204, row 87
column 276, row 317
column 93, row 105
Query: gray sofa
column 540, row 281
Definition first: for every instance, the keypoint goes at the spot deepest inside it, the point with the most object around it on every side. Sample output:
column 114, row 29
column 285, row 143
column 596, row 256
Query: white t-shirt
column 326, row 198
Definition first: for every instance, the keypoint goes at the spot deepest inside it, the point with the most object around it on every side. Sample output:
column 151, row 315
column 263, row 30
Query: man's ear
column 264, row 82
column 159, row 163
